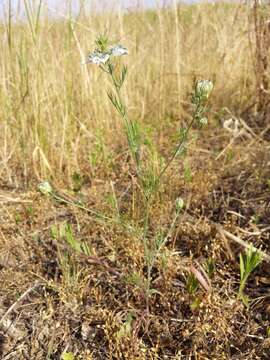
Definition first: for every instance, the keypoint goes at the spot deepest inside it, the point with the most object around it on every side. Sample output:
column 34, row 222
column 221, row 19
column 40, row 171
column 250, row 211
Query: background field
column 57, row 124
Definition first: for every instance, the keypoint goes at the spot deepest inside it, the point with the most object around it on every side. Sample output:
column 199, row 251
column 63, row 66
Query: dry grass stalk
column 241, row 242
column 261, row 21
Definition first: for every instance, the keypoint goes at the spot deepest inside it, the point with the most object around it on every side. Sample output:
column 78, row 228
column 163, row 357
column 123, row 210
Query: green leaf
column 242, row 267
column 117, row 104
column 210, row 266
column 192, row 284
column 247, row 264
column 54, row 232
column 86, row 249
column 75, row 244
column 102, row 42
column 123, row 75
column 159, row 240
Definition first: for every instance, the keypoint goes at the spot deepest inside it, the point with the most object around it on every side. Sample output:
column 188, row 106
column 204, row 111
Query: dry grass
column 57, row 124
column 54, row 111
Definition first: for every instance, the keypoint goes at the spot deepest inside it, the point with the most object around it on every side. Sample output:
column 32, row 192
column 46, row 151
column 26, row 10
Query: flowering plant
column 148, row 177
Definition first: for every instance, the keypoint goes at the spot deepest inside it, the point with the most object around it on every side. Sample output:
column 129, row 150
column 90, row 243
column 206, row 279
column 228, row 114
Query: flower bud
column 45, row 188
column 203, row 121
column 179, row 204
column 203, row 89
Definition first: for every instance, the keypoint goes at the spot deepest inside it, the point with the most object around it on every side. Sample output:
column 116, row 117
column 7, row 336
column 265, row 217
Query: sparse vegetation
column 129, row 185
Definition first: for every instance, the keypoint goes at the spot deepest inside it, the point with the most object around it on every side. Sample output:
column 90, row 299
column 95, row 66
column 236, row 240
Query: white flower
column 45, row 188
column 97, row 57
column 203, row 89
column 118, row 50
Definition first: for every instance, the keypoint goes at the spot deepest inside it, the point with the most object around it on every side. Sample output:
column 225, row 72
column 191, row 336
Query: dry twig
column 226, row 234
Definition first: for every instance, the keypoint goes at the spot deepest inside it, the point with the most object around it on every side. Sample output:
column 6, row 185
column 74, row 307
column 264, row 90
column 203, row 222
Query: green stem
column 173, row 156
column 177, row 150
column 146, row 252
column 128, row 124
column 243, row 284
column 92, row 212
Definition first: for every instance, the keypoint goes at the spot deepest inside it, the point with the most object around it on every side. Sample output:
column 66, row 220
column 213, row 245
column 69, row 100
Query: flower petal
column 98, row 58
column 118, row 50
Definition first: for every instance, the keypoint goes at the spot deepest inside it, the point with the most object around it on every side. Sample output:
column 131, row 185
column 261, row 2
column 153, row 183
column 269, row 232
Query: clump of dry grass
column 260, row 34
column 53, row 110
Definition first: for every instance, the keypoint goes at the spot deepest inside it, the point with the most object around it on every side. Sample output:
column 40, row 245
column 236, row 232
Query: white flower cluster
column 98, row 57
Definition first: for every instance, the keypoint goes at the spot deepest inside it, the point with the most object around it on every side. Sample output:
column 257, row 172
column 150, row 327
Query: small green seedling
column 210, row 267
column 192, row 284
column 248, row 264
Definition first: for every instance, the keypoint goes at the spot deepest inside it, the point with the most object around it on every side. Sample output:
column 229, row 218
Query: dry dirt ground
column 53, row 299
